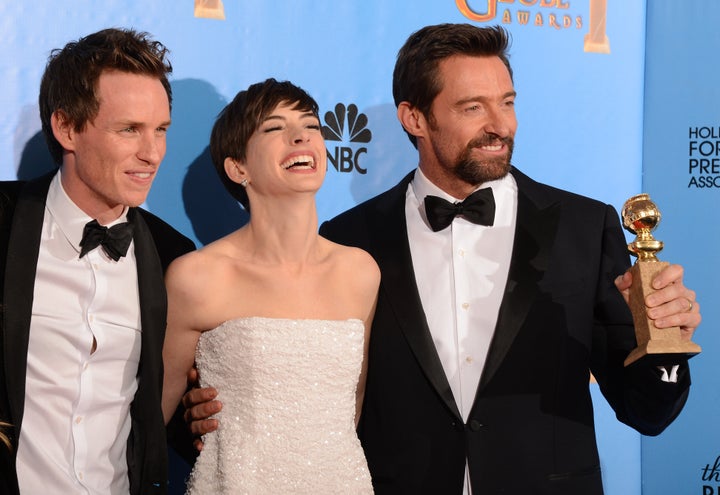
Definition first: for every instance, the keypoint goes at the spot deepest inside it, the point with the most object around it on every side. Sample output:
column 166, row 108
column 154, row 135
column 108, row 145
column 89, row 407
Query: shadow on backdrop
column 213, row 212
column 35, row 160
column 392, row 155
column 208, row 211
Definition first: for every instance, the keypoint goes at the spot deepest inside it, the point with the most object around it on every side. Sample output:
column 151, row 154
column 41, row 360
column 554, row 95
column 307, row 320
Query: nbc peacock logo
column 347, row 121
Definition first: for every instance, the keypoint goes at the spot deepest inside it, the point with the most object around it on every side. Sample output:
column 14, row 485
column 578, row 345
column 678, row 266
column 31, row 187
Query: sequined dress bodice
column 288, row 394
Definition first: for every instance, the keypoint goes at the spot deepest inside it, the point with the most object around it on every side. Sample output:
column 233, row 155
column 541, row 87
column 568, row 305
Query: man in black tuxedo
column 499, row 296
column 81, row 279
column 485, row 335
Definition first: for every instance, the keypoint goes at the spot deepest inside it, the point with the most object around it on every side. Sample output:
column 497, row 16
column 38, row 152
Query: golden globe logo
column 551, row 13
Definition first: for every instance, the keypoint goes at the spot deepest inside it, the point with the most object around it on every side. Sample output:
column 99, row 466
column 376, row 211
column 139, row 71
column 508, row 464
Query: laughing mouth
column 301, row 161
column 492, row 147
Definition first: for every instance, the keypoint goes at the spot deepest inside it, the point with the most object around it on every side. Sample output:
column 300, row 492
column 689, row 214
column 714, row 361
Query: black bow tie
column 114, row 240
column 477, row 208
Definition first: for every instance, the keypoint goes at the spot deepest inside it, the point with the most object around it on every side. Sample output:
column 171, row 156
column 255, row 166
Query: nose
column 501, row 121
column 152, row 148
column 300, row 134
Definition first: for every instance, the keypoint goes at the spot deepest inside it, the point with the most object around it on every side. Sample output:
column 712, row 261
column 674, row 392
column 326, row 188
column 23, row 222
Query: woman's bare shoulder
column 194, row 272
column 355, row 263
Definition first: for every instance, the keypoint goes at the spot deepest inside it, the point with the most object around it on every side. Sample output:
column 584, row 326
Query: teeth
column 492, row 148
column 306, row 160
column 142, row 175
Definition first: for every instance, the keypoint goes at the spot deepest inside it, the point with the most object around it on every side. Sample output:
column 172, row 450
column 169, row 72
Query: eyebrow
column 509, row 94
column 137, row 123
column 280, row 117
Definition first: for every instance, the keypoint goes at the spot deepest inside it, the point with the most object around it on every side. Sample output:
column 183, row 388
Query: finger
column 197, row 396
column 675, row 306
column 198, row 444
column 687, row 320
column 202, row 411
column 674, row 293
column 624, row 281
column 671, row 274
column 199, row 428
column 193, row 377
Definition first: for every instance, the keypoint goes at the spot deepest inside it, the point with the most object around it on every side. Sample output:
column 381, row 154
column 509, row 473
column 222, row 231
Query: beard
column 476, row 172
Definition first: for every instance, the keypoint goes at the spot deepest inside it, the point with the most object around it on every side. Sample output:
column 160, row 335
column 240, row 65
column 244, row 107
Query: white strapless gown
column 288, row 393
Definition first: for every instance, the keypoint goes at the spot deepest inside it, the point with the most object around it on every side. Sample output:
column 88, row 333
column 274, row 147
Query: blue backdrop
column 594, row 118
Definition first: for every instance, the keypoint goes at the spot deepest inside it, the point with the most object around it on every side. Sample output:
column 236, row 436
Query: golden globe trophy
column 660, row 345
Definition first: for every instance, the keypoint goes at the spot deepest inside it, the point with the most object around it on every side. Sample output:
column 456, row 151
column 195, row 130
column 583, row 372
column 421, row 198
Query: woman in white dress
column 280, row 316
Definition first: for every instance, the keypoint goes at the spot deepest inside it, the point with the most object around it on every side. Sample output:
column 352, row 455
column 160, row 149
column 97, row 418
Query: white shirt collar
column 68, row 216
column 502, row 188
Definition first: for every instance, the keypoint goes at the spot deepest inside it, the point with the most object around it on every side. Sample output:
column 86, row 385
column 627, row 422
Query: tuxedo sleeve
column 636, row 393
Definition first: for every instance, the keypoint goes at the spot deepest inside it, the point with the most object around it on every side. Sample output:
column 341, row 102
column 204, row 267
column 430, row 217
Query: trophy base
column 662, row 352
column 658, row 346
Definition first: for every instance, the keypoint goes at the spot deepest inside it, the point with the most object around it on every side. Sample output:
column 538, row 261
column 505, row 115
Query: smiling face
column 468, row 137
column 112, row 162
column 286, row 153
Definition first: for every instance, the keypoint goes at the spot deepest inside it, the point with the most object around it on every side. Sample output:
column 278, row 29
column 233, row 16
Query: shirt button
column 461, row 252
column 78, row 420
column 465, row 305
column 469, row 360
column 91, row 318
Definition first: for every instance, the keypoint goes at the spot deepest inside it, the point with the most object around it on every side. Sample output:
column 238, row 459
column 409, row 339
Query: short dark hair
column 242, row 117
column 69, row 83
column 416, row 76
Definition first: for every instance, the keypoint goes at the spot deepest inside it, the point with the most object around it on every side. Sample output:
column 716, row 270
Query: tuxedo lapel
column 146, row 438
column 535, row 230
column 399, row 288
column 19, row 283
column 151, row 288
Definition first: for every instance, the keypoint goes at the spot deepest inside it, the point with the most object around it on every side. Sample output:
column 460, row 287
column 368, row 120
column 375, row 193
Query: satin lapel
column 19, row 284
column 153, row 298
column 392, row 253
column 534, row 235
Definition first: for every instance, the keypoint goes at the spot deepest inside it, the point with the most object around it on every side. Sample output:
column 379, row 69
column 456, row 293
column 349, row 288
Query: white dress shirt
column 77, row 401
column 461, row 274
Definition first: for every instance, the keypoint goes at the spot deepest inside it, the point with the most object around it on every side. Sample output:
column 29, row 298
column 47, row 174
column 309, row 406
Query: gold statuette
column 660, row 345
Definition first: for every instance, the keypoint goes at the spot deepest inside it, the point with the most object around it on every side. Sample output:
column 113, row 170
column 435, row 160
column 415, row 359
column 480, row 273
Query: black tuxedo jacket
column 22, row 207
column 531, row 428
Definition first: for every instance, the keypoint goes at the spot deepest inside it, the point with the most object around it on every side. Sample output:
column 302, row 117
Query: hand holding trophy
column 660, row 345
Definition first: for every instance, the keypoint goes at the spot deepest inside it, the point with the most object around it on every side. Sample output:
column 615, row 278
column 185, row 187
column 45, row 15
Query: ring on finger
column 692, row 305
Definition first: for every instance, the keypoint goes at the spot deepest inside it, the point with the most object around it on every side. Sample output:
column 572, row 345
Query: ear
column 412, row 119
column 235, row 170
column 63, row 130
